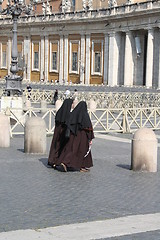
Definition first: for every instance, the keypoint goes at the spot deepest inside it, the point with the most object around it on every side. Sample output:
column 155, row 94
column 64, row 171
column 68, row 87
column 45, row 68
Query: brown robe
column 72, row 151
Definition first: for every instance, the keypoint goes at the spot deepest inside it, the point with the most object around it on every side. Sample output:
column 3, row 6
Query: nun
column 71, row 144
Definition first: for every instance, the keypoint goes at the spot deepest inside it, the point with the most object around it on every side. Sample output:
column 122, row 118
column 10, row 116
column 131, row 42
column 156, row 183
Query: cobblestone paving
column 33, row 195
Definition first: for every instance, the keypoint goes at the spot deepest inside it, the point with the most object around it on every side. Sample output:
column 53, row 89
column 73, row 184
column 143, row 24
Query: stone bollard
column 43, row 106
column 144, row 151
column 4, row 131
column 58, row 104
column 92, row 105
column 35, row 136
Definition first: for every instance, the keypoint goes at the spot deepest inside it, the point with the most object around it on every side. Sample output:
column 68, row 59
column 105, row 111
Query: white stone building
column 115, row 46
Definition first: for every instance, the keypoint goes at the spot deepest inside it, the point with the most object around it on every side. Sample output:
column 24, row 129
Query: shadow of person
column 20, row 150
column 125, row 166
column 44, row 161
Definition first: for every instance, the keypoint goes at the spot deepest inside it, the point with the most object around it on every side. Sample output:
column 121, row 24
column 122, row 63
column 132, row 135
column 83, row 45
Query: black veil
column 79, row 118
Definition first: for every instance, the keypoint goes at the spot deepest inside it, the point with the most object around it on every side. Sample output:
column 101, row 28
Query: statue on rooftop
column 87, row 4
column 48, row 10
column 112, row 3
column 66, row 6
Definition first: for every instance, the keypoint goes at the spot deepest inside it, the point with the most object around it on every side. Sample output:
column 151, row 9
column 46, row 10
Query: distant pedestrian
column 75, row 94
column 29, row 89
column 67, row 93
column 55, row 97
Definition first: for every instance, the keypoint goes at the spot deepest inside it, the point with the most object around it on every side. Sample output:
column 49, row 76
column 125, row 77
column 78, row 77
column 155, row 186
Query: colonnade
column 119, row 58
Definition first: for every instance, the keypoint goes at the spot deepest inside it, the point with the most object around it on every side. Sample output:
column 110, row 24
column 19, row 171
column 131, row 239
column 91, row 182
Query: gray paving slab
column 32, row 195
column 153, row 235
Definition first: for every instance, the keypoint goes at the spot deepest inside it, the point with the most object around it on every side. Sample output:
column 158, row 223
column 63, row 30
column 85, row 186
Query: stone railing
column 103, row 120
column 103, row 99
column 82, row 15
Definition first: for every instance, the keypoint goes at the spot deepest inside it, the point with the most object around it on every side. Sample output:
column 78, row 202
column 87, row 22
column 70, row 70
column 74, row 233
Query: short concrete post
column 35, row 136
column 4, row 131
column 58, row 104
column 43, row 106
column 144, row 151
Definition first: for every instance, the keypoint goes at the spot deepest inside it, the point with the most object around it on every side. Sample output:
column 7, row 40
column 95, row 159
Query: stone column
column 61, row 60
column 27, row 56
column 9, row 54
column 159, row 63
column 149, row 62
column 82, row 63
column 66, row 58
column 42, row 59
column 46, row 62
column 128, row 61
column 106, row 56
column 113, row 60
column 88, row 61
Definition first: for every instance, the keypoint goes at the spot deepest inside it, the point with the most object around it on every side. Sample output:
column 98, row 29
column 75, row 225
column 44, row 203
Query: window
column 74, row 56
column 4, row 59
column 36, row 60
column 35, row 56
column 54, row 61
column 97, row 57
column 54, row 58
column 74, row 61
column 97, row 62
column 20, row 61
column 73, row 5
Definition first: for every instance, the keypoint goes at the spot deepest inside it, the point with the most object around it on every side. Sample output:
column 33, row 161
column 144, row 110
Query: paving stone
column 36, row 196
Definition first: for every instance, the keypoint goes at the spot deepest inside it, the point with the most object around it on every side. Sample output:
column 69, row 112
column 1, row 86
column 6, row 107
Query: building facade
column 116, row 46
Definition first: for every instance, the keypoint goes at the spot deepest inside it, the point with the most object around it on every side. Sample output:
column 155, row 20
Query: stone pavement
column 34, row 196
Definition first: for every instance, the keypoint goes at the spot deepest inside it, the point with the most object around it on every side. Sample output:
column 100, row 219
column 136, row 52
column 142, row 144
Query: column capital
column 128, row 32
column 28, row 36
column 106, row 34
column 61, row 35
column 111, row 34
column 151, row 33
column 66, row 35
column 42, row 36
column 9, row 36
column 88, row 34
column 82, row 33
column 46, row 36
column 149, row 29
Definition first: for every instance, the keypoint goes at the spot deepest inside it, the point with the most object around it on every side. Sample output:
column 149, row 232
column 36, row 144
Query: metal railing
column 104, row 120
